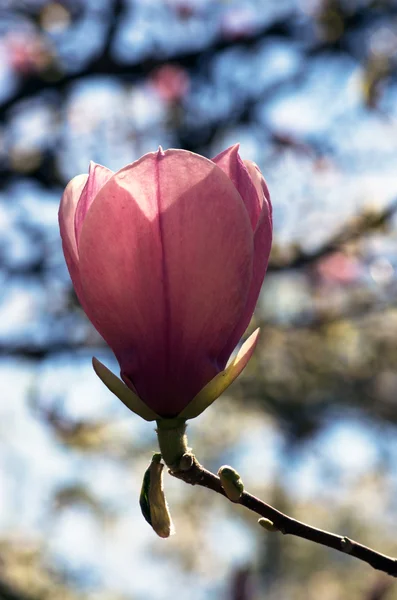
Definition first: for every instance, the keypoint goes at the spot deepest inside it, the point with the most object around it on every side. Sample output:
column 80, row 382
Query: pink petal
column 260, row 184
column 169, row 272
column 66, row 215
column 97, row 177
column 67, row 209
column 230, row 162
column 262, row 246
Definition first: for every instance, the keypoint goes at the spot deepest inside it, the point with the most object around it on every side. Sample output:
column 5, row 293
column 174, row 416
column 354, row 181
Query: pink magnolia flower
column 167, row 257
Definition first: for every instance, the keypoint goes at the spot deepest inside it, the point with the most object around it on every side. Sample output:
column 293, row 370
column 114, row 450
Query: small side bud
column 152, row 499
column 231, row 483
column 186, row 462
column 267, row 524
column 346, row 545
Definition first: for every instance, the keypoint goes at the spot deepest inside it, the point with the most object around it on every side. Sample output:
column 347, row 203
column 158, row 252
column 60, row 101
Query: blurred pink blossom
column 27, row 52
column 339, row 268
column 183, row 8
column 170, row 82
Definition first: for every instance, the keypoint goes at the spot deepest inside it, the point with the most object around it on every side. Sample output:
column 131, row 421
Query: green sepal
column 221, row 382
column 123, row 393
column 144, row 496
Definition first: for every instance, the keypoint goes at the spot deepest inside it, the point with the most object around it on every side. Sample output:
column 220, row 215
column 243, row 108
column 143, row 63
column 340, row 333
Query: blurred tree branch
column 105, row 64
column 9, row 593
column 196, row 474
column 354, row 229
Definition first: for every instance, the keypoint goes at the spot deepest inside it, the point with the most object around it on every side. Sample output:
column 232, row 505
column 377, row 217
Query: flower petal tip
column 247, row 348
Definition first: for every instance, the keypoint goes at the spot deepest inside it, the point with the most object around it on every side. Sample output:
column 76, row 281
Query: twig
column 197, row 475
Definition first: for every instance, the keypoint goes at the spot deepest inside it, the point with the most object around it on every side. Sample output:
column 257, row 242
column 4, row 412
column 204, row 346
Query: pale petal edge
column 119, row 389
column 222, row 381
column 98, row 175
column 66, row 214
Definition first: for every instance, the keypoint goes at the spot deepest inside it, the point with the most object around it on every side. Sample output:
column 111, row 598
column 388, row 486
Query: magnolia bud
column 267, row 524
column 152, row 499
column 176, row 245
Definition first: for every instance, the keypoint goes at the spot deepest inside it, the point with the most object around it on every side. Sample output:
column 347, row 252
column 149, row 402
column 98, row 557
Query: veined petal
column 262, row 246
column 169, row 273
column 230, row 162
column 97, row 177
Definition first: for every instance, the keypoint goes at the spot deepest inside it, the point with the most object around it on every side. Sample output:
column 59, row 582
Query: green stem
column 171, row 434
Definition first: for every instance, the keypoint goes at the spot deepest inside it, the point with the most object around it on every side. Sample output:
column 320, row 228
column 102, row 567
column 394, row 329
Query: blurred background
column 309, row 89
